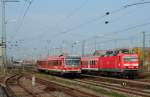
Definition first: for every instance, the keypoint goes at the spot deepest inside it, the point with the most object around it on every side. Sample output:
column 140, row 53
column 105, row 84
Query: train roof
column 58, row 57
column 91, row 57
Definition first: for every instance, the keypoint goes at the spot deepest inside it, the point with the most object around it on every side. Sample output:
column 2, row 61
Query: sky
column 55, row 26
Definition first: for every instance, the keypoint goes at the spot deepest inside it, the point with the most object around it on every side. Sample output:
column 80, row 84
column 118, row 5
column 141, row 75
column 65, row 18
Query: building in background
column 140, row 52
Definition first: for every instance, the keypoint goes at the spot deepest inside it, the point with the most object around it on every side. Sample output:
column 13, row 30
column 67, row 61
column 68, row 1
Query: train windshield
column 73, row 61
column 130, row 59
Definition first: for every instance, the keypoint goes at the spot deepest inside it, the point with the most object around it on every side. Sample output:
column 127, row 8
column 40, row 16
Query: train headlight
column 64, row 70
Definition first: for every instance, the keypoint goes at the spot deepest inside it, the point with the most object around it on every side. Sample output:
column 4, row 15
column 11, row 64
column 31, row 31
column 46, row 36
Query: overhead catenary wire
column 70, row 14
column 112, row 40
column 129, row 5
column 24, row 15
column 82, row 26
column 120, row 39
column 20, row 19
column 22, row 10
column 99, row 18
column 115, row 42
column 123, row 30
column 72, row 29
column 116, row 20
column 90, row 21
column 139, row 3
column 29, row 2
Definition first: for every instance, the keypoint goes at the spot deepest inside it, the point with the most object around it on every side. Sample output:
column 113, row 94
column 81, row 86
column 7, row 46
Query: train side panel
column 55, row 65
column 42, row 65
column 89, row 63
column 60, row 65
column 110, row 64
column 122, row 65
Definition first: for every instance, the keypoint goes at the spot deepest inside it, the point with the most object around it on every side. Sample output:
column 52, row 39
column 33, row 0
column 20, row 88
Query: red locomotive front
column 124, row 64
column 130, row 62
column 113, row 63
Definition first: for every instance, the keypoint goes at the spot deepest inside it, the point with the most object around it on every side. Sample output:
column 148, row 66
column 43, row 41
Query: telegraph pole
column 83, row 48
column 95, row 43
column 4, row 57
column 48, row 42
column 144, row 48
column 3, row 37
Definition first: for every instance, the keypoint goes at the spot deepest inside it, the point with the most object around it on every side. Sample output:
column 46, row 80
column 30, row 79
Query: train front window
column 130, row 59
column 72, row 61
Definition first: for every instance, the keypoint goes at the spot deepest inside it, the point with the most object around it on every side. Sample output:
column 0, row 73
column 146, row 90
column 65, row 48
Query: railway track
column 116, row 88
column 131, row 87
column 128, row 83
column 116, row 84
column 16, row 86
column 13, row 84
column 51, row 86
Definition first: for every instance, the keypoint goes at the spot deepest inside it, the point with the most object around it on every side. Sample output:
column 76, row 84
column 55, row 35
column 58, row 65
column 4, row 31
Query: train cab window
column 130, row 58
column 73, row 61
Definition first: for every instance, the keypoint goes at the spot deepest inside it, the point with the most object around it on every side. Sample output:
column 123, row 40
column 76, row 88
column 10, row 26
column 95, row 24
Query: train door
column 89, row 63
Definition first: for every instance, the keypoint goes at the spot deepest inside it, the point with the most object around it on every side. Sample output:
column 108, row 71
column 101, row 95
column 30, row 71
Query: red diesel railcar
column 124, row 64
column 60, row 65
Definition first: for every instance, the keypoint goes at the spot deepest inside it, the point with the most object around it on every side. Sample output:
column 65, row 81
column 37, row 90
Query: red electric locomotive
column 60, row 64
column 115, row 62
